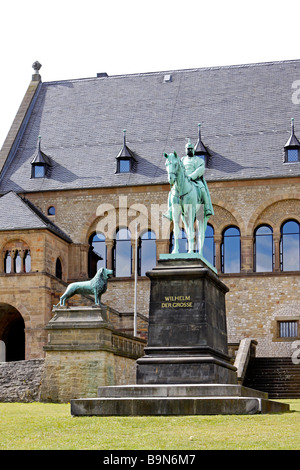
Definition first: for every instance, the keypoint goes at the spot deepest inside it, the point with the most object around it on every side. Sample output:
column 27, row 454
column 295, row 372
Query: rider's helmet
column 189, row 146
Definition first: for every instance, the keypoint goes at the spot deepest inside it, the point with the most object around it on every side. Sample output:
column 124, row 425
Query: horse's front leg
column 189, row 218
column 202, row 224
column 176, row 211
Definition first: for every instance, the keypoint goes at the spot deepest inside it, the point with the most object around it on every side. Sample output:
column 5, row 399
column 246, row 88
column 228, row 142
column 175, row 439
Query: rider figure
column 194, row 168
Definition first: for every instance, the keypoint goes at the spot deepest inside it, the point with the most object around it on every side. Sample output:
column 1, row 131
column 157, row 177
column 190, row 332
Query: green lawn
column 39, row 426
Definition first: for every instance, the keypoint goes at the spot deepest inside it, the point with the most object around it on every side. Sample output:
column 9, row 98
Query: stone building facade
column 94, row 182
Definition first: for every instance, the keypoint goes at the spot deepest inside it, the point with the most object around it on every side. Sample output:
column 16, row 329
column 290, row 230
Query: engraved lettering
column 177, row 301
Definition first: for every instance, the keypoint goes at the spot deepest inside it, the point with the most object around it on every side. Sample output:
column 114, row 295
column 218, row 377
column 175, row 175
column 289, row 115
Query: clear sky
column 77, row 39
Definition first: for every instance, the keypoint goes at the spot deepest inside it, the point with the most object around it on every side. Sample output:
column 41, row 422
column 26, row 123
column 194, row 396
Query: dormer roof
column 292, row 141
column 40, row 157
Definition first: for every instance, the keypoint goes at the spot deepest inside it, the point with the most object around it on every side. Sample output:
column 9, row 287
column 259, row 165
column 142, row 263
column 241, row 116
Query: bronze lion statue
column 96, row 287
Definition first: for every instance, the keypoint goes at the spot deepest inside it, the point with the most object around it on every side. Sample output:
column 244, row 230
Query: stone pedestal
column 187, row 335
column 186, row 369
column 85, row 351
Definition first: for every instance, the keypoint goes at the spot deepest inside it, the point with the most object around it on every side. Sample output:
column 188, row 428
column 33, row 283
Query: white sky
column 77, row 39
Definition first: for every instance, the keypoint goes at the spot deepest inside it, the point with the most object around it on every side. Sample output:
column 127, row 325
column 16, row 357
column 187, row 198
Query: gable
column 16, row 214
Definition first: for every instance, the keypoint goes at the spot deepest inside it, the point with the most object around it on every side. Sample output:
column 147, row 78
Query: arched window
column 182, row 240
column 97, row 253
column 58, row 269
column 7, row 263
column 209, row 245
column 231, row 251
column 27, row 262
column 290, row 246
column 17, row 257
column 122, row 254
column 51, row 210
column 263, row 249
column 17, row 263
column 147, row 252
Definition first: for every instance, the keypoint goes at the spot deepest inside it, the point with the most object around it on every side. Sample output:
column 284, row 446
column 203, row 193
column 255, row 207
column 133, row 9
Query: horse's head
column 172, row 163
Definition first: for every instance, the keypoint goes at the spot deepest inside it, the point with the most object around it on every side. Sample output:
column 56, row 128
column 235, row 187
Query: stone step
column 176, row 390
column 174, row 406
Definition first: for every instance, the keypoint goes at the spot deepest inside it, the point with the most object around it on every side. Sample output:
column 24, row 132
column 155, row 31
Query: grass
column 41, row 426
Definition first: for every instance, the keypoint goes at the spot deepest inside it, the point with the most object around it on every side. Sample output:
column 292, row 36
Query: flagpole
column 135, row 284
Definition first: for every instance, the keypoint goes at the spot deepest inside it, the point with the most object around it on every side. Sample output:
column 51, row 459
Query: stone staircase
column 277, row 376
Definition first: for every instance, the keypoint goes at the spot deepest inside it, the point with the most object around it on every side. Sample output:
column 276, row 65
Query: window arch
column 146, row 252
column 182, row 240
column 231, row 250
column 122, row 253
column 97, row 253
column 290, row 246
column 58, row 269
column 209, row 249
column 263, row 249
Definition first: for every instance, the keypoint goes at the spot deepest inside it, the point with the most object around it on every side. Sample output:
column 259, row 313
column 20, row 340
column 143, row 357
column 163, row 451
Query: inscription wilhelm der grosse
column 177, row 301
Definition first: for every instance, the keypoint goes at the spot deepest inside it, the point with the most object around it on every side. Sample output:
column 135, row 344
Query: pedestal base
column 176, row 400
column 201, row 369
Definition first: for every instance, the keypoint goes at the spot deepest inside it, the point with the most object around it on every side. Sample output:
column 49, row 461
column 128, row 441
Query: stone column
column 218, row 242
column 109, row 246
column 246, row 254
column 22, row 256
column 276, row 241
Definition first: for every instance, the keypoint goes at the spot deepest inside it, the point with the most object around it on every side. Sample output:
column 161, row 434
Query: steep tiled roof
column 19, row 214
column 244, row 111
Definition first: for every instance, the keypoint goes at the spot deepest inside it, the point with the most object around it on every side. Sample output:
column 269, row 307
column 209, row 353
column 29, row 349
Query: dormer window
column 124, row 165
column 292, row 155
column 125, row 159
column 38, row 171
column 292, row 147
column 40, row 164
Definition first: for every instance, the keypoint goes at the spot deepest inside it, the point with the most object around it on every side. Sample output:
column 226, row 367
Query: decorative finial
column 36, row 68
column 292, row 125
column 199, row 131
